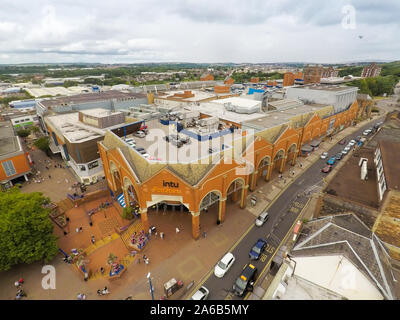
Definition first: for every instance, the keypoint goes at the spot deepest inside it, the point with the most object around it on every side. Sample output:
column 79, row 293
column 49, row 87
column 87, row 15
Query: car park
column 343, row 141
column 324, row 155
column 257, row 249
column 339, row 156
column 331, row 161
column 326, row 169
column 224, row 265
column 201, row 294
column 262, row 218
column 245, row 281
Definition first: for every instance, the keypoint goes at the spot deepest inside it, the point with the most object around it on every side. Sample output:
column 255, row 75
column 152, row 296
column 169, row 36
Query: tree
column 26, row 231
column 43, row 144
column 23, row 133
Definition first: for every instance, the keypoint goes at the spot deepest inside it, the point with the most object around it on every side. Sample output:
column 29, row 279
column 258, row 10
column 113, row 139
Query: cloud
column 196, row 31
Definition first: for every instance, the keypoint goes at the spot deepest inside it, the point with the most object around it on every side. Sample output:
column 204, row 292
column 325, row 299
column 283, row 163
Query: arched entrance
column 278, row 160
column 264, row 167
column 210, row 199
column 116, row 178
column 132, row 198
column 234, row 190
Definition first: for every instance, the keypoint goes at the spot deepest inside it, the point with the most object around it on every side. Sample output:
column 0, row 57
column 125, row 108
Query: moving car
column 201, row 294
column 326, row 169
column 339, row 156
column 224, row 265
column 324, row 155
column 257, row 249
column 343, row 141
column 331, row 161
column 245, row 281
column 262, row 218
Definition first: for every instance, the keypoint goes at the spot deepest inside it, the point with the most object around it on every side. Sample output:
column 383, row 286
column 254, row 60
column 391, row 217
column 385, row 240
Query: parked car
column 138, row 149
column 344, row 151
column 139, row 134
column 326, row 169
column 324, row 155
column 352, row 143
column 262, row 218
column 343, row 141
column 201, row 294
column 245, row 281
column 212, row 150
column 367, row 132
column 146, row 155
column 176, row 143
column 129, row 140
column 185, row 140
column 257, row 249
column 339, row 156
column 331, row 161
column 347, row 148
column 224, row 265
column 358, row 138
column 142, row 151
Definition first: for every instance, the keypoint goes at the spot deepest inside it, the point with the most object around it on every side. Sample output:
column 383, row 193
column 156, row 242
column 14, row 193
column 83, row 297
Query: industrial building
column 212, row 158
column 14, row 161
column 371, row 71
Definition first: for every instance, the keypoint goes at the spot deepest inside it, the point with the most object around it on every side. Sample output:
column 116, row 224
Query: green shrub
column 23, row 133
column 127, row 213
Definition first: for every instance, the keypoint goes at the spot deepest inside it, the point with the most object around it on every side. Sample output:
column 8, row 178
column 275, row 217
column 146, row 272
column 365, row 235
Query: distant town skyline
column 205, row 31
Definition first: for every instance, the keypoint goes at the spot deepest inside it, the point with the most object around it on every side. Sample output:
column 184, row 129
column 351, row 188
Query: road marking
column 280, row 244
column 263, row 257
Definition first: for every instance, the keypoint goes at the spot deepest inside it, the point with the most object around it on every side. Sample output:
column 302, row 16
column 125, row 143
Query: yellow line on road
column 284, row 239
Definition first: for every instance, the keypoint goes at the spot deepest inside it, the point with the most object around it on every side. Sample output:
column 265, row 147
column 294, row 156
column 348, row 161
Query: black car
column 139, row 149
column 339, row 156
column 245, row 281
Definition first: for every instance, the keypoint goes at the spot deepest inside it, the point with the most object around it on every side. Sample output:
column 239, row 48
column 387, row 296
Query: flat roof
column 390, row 152
column 324, row 87
column 239, row 101
column 99, row 112
column 74, row 130
column 218, row 110
column 198, row 95
column 8, row 141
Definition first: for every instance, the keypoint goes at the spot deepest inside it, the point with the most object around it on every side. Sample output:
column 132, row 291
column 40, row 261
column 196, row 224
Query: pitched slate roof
column 347, row 235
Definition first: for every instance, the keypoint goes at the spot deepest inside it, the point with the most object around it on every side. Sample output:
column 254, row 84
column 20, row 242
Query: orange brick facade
column 208, row 77
column 20, row 163
column 223, row 180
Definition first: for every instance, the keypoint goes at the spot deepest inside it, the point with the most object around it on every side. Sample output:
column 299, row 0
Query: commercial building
column 313, row 74
column 14, row 162
column 336, row 257
column 228, row 147
column 206, row 77
column 75, row 136
column 371, row 71
column 23, row 105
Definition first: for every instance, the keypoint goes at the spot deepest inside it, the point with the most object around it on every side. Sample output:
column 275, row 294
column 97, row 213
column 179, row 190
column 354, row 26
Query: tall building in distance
column 313, row 74
column 371, row 71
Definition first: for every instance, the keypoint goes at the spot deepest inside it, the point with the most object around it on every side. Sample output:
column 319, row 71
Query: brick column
column 243, row 199
column 268, row 176
column 235, row 196
column 253, row 183
column 195, row 225
column 144, row 219
column 295, row 157
column 283, row 162
column 222, row 210
column 126, row 196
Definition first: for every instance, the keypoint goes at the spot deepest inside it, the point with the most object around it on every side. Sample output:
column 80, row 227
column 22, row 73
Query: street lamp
column 151, row 286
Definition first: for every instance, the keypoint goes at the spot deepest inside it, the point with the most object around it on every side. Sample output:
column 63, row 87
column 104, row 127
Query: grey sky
column 197, row 31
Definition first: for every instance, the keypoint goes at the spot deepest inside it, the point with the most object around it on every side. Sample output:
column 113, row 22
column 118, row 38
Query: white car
column 201, row 294
column 344, row 151
column 262, row 218
column 367, row 132
column 352, row 143
column 224, row 265
column 146, row 155
column 347, row 148
column 324, row 155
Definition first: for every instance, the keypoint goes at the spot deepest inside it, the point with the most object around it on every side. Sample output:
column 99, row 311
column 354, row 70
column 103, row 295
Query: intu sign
column 170, row 184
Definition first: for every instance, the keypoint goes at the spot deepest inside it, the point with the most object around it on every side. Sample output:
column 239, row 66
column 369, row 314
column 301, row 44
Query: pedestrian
column 77, row 230
column 99, row 292
column 93, row 239
column 284, row 181
column 293, row 172
column 86, row 276
column 105, row 291
column 80, row 229
column 177, row 230
column 150, row 231
column 49, row 176
column 162, row 235
column 204, row 234
column 17, row 284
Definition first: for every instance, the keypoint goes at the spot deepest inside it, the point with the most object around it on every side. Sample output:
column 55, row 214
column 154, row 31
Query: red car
column 343, row 141
column 326, row 169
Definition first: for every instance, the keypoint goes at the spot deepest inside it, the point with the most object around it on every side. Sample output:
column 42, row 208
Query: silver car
column 201, row 294
column 262, row 218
